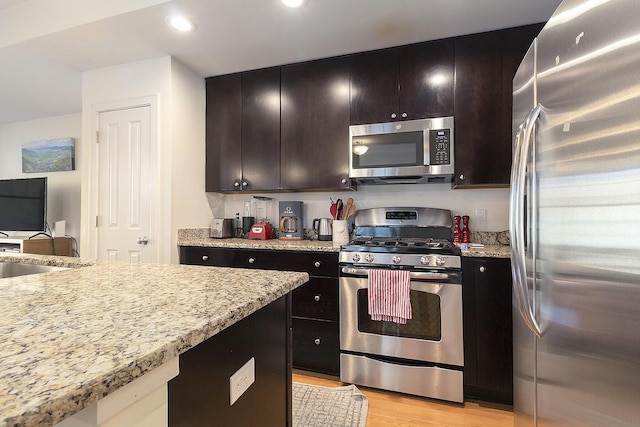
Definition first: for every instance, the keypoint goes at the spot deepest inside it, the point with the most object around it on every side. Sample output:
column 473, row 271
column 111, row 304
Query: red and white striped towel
column 389, row 295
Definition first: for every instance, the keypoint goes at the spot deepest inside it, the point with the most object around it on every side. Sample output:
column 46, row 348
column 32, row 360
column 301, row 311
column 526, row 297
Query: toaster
column 221, row 228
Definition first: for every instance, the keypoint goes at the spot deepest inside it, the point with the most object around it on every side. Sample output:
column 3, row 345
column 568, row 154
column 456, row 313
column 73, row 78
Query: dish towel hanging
column 389, row 295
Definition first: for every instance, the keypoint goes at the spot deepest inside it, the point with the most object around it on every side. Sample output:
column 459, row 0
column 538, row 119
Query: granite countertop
column 200, row 237
column 489, row 251
column 72, row 337
column 492, row 241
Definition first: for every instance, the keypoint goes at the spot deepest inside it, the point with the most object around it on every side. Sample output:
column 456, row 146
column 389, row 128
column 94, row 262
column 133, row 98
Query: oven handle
column 429, row 275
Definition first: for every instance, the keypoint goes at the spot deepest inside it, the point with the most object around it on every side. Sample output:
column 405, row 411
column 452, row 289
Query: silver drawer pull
column 252, row 260
column 205, row 257
column 317, row 341
column 316, row 298
column 482, row 269
column 317, row 264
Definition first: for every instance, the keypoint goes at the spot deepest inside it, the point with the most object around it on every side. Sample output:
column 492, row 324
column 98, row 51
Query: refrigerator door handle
column 516, row 220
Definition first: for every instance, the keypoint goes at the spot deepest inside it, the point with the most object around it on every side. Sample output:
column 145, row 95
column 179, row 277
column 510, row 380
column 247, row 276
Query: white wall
column 63, row 201
column 189, row 203
column 316, row 204
column 181, row 199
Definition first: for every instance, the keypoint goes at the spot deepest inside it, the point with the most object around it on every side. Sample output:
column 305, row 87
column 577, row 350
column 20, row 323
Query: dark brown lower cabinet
column 316, row 332
column 199, row 396
column 488, row 329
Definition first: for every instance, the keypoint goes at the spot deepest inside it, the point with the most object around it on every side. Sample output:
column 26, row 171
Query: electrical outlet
column 241, row 380
column 481, row 216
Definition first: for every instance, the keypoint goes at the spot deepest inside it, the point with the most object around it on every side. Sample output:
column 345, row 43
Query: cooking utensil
column 347, row 208
column 339, row 207
column 333, row 210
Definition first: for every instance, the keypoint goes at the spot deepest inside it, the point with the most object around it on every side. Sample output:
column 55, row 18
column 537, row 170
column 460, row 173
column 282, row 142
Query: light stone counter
column 489, row 251
column 200, row 237
column 493, row 247
column 72, row 337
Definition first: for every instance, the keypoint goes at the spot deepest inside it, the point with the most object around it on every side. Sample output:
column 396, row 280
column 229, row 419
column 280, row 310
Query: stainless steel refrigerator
column 575, row 219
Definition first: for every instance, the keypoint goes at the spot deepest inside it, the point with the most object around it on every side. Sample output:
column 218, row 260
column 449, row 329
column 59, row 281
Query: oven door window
column 388, row 150
column 425, row 323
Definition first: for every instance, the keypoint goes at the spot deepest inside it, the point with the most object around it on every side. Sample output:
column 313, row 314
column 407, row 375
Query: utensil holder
column 340, row 232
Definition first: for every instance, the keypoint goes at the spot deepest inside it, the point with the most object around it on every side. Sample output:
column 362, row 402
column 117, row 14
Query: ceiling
column 44, row 48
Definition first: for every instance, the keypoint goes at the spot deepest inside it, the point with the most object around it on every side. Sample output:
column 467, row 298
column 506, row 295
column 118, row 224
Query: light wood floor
column 396, row 409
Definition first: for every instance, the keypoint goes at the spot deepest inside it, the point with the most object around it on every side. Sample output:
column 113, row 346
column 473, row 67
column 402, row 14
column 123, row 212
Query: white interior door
column 125, row 202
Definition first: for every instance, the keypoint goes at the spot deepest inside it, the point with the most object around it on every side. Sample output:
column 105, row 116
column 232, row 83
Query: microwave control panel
column 439, row 147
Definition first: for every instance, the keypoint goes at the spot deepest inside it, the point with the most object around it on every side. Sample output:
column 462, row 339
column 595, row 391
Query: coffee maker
column 291, row 227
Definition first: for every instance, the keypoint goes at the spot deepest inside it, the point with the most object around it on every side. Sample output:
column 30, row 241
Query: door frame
column 90, row 180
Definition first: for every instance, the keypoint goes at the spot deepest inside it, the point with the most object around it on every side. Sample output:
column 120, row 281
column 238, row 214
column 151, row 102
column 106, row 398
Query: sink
column 13, row 269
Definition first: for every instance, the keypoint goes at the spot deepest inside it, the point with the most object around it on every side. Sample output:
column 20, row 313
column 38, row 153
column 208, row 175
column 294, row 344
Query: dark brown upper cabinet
column 243, row 131
column 485, row 66
column 314, row 150
column 223, row 133
column 405, row 83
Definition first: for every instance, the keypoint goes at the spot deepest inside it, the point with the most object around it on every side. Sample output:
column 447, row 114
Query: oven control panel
column 407, row 260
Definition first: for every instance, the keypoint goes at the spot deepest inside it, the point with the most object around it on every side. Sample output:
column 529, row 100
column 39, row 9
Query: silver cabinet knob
column 252, row 260
column 316, row 298
column 344, row 180
column 394, row 115
column 461, row 176
column 405, row 115
column 205, row 257
column 142, row 240
column 317, row 264
column 482, row 269
column 317, row 341
column 236, row 184
column 245, row 184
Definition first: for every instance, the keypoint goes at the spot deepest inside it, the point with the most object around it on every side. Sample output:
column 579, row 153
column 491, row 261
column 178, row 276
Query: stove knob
column 355, row 257
column 440, row 261
column 424, row 260
column 396, row 259
column 368, row 258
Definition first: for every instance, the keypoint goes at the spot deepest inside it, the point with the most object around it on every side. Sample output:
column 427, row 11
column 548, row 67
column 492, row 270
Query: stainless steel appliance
column 412, row 151
column 291, row 227
column 574, row 219
column 221, row 228
column 323, row 228
column 424, row 356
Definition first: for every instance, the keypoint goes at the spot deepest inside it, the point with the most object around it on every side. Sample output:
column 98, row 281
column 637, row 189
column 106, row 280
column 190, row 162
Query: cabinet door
column 316, row 299
column 314, row 263
column 316, row 345
column 214, row 257
column 374, row 87
column 490, row 331
column 426, row 80
column 315, row 125
column 261, row 129
column 223, row 133
column 484, row 75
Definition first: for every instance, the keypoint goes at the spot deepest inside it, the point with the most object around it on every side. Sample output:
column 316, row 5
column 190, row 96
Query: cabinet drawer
column 316, row 346
column 317, row 299
column 215, row 257
column 314, row 263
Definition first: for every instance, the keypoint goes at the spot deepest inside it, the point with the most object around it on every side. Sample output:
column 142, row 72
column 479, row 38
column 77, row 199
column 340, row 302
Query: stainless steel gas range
column 423, row 356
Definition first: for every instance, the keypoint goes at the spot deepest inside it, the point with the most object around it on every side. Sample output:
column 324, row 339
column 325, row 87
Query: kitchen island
column 73, row 337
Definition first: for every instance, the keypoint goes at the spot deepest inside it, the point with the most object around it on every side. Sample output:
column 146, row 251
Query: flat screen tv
column 23, row 204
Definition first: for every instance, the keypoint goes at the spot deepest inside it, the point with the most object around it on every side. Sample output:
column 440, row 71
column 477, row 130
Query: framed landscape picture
column 52, row 155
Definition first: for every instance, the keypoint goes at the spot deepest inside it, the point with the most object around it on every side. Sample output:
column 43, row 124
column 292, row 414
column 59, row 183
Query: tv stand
column 41, row 245
column 42, row 233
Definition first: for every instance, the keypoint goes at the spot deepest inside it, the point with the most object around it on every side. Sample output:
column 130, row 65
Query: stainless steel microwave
column 412, row 151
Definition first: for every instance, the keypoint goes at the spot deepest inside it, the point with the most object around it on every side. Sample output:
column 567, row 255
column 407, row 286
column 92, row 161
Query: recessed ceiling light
column 181, row 23
column 294, row 3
